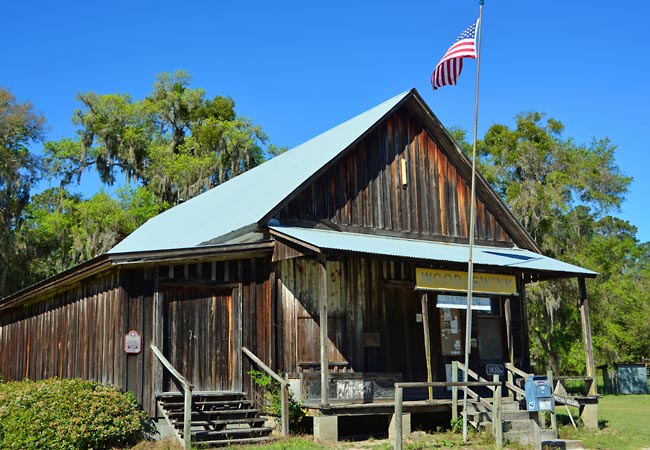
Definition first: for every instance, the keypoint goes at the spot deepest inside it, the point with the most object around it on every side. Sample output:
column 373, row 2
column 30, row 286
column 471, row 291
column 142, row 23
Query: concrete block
column 589, row 416
column 326, row 428
column 406, row 426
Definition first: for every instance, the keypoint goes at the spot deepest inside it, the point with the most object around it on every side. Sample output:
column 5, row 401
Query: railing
column 187, row 388
column 284, row 388
column 514, row 391
column 497, row 427
column 495, row 407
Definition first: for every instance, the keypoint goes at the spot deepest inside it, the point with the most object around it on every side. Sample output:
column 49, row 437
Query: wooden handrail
column 399, row 398
column 511, row 367
column 263, row 366
column 284, row 388
column 472, row 374
column 415, row 384
column 515, row 392
column 515, row 388
column 187, row 387
column 165, row 362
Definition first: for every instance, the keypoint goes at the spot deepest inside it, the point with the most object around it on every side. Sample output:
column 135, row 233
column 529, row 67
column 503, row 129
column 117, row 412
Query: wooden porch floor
column 378, row 407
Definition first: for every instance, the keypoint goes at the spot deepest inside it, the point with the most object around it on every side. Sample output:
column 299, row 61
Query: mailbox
column 539, row 396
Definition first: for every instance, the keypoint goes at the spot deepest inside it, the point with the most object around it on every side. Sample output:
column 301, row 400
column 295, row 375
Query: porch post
column 324, row 360
column 427, row 342
column 525, row 338
column 508, row 314
column 586, row 334
column 158, row 333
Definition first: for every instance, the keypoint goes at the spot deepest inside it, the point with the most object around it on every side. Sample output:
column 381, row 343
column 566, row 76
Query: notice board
column 451, row 331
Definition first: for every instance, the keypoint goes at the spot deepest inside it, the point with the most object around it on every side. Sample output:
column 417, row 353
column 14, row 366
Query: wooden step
column 217, row 418
column 230, row 434
column 252, row 422
column 223, row 414
column 216, row 395
column 207, row 404
column 229, row 442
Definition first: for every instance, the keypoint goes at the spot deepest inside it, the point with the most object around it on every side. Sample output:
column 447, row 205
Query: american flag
column 448, row 69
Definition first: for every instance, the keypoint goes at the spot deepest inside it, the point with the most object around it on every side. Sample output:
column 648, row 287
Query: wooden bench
column 586, row 403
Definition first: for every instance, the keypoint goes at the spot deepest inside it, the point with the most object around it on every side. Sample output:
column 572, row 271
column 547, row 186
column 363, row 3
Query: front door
column 199, row 336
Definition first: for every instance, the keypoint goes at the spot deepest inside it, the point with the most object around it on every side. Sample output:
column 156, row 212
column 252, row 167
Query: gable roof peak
column 248, row 198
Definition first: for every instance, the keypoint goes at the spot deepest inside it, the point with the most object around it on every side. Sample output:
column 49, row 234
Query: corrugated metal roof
column 515, row 258
column 247, row 198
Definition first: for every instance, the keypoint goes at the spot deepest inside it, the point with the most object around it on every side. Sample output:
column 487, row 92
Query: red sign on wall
column 132, row 342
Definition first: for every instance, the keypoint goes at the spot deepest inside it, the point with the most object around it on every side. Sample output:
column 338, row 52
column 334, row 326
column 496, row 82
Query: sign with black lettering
column 495, row 369
column 452, row 280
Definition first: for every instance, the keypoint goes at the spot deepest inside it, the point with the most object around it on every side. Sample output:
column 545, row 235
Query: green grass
column 624, row 425
column 624, row 422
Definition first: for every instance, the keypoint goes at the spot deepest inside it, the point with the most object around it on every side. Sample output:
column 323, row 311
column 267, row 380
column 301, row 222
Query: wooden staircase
column 517, row 425
column 218, row 418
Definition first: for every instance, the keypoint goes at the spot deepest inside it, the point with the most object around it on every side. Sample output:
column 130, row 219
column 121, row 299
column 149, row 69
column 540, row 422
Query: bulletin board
column 451, row 331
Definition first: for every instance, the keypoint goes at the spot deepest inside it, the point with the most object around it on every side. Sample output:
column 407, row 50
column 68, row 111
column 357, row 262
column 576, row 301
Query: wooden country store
column 340, row 264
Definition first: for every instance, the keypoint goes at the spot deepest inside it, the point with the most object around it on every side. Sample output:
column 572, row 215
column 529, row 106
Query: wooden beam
column 237, row 344
column 525, row 336
column 586, row 333
column 158, row 332
column 427, row 341
column 508, row 313
column 324, row 359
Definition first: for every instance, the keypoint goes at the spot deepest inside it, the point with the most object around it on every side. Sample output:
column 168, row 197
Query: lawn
column 624, row 422
column 624, row 425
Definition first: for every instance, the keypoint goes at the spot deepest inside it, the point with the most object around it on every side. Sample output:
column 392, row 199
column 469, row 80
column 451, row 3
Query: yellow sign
column 452, row 280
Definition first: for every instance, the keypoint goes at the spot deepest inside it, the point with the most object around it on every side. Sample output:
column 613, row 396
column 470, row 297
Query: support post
column 285, row 409
column 586, row 334
column 427, row 341
column 399, row 394
column 537, row 435
column 551, row 383
column 508, row 313
column 324, row 358
column 454, row 390
column 187, row 418
column 497, row 420
column 158, row 327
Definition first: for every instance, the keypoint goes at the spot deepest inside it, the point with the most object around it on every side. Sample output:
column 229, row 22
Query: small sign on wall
column 132, row 343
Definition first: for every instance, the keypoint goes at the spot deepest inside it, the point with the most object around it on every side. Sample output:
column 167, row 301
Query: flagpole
column 472, row 226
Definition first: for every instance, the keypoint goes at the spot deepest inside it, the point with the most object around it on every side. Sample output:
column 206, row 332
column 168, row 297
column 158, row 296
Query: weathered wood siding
column 373, row 322
column 367, row 188
column 371, row 326
column 77, row 332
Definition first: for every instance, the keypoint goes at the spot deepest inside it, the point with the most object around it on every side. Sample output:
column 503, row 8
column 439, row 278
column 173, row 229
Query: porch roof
column 517, row 259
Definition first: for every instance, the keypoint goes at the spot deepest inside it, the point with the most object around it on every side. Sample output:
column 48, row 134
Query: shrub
column 273, row 399
column 457, row 424
column 68, row 414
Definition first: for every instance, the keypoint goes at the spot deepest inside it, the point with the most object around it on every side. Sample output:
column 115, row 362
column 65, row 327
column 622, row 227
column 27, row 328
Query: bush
column 68, row 414
column 273, row 399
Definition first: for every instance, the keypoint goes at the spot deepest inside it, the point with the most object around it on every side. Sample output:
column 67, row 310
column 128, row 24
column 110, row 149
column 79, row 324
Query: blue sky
column 299, row 68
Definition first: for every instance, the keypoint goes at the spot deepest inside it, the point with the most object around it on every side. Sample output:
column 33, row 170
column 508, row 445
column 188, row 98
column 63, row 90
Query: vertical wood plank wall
column 366, row 188
column 78, row 332
column 359, row 303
